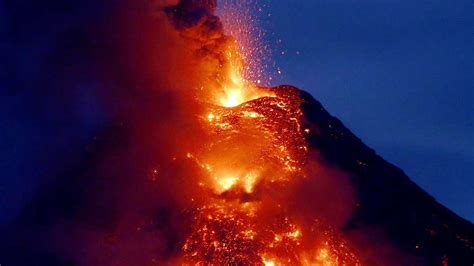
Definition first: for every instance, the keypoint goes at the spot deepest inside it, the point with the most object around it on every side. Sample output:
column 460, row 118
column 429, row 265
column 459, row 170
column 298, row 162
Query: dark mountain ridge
column 387, row 197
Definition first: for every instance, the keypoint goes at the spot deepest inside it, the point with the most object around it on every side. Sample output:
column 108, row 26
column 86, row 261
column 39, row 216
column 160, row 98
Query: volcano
column 198, row 165
column 393, row 221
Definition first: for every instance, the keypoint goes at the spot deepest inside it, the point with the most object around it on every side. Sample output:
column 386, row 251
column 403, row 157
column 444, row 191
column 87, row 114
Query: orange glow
column 268, row 262
column 235, row 89
column 252, row 156
column 252, row 149
column 226, row 183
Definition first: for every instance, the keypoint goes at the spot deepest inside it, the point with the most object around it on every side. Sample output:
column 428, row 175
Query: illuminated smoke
column 218, row 56
column 200, row 165
column 215, row 169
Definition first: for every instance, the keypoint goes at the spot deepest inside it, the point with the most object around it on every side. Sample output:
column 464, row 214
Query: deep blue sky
column 399, row 74
column 47, row 116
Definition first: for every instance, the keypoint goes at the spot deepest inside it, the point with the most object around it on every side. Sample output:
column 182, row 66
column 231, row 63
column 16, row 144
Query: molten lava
column 255, row 152
column 198, row 165
column 250, row 160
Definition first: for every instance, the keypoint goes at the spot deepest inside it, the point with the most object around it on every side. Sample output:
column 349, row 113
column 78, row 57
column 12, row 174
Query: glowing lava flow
column 252, row 156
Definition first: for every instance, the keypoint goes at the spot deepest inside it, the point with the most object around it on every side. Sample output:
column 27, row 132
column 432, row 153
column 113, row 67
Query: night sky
column 399, row 74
